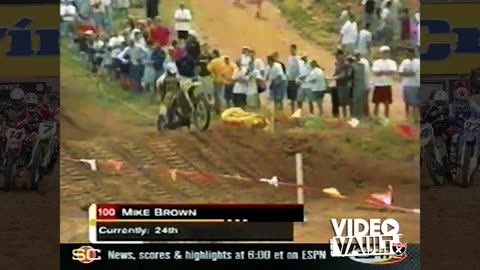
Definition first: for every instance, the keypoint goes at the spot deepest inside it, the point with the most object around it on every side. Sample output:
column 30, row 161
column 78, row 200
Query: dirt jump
column 94, row 128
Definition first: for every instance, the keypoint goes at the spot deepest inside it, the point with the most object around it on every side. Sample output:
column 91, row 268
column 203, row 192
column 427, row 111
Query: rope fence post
column 299, row 176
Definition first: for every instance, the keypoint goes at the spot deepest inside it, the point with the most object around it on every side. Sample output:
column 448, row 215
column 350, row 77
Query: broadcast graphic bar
column 195, row 212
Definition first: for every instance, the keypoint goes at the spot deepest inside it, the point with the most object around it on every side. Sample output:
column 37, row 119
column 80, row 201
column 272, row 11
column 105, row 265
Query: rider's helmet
column 171, row 69
column 461, row 96
column 31, row 102
column 440, row 99
column 16, row 97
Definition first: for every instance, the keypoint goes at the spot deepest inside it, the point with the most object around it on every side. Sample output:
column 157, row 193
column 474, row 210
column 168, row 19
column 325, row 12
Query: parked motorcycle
column 196, row 111
column 43, row 148
column 434, row 155
column 12, row 155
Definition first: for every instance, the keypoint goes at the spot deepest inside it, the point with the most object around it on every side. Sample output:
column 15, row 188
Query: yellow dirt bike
column 189, row 105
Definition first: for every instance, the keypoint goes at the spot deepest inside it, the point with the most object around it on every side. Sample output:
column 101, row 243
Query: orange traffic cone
column 112, row 164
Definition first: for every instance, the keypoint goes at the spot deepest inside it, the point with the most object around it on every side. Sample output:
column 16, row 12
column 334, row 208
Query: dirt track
column 125, row 136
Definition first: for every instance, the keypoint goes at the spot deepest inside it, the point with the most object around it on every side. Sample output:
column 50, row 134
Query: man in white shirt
column 98, row 10
column 349, row 35
column 277, row 81
column 383, row 70
column 318, row 84
column 305, row 90
column 240, row 87
column 183, row 18
column 68, row 15
column 293, row 71
column 365, row 42
column 409, row 70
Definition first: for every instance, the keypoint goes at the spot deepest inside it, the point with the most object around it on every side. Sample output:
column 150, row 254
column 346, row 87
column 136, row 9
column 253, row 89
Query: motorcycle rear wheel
column 465, row 176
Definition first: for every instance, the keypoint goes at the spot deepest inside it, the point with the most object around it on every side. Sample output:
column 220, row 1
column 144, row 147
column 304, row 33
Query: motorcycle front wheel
column 429, row 161
column 201, row 113
column 10, row 172
column 35, row 170
column 465, row 176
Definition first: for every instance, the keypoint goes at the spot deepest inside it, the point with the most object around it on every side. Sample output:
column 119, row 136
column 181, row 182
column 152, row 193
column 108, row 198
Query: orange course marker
column 114, row 165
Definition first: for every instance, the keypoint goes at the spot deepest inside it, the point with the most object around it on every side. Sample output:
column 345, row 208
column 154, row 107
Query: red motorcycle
column 15, row 140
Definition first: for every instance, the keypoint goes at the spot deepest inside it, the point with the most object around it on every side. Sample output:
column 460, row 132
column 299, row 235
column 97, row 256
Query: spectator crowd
column 140, row 53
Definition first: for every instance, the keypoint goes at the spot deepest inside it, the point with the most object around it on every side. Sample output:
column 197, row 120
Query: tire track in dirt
column 226, row 157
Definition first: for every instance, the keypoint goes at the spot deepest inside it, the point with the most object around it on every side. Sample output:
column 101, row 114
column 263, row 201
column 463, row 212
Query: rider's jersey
column 438, row 118
column 32, row 119
column 458, row 113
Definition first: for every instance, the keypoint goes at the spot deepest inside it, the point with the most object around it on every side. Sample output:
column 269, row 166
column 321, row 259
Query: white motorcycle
column 434, row 155
column 12, row 154
column 43, row 150
column 468, row 151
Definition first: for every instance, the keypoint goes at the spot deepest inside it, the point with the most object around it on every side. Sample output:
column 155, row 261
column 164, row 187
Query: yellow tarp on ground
column 239, row 118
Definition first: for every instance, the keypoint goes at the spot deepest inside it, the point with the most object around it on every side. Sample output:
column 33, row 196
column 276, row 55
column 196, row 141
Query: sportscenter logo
column 86, row 254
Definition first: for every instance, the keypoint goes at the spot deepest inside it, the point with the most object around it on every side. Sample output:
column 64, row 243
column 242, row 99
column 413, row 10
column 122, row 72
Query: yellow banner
column 41, row 17
column 457, row 16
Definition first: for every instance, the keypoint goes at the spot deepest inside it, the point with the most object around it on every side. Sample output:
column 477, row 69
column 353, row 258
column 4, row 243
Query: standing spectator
column 158, row 58
column 253, row 99
column 98, row 11
column 152, row 8
column 203, row 60
column 276, row 57
column 122, row 7
column 387, row 24
column 159, row 34
column 149, row 74
column 257, row 78
column 178, row 52
column 259, row 8
column 349, row 35
column 244, row 56
column 293, row 72
column 361, row 87
column 369, row 12
column 228, row 82
column 368, row 77
column 68, row 16
column 409, row 70
column 108, row 18
column 383, row 70
column 318, row 83
column 365, row 42
column 135, row 53
column 405, row 22
column 241, row 79
column 344, row 16
column 192, row 46
column 343, row 83
column 305, row 91
column 278, row 82
column 217, row 68
column 417, row 40
column 83, row 8
column 183, row 18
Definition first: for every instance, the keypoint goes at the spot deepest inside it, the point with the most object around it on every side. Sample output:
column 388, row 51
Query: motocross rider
column 31, row 117
column 438, row 116
column 10, row 111
column 169, row 85
column 459, row 108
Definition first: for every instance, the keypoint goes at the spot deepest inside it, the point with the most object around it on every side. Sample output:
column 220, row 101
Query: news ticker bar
column 212, row 212
column 225, row 256
column 199, row 231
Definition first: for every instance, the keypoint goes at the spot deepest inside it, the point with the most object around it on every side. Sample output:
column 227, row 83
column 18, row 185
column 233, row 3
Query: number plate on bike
column 472, row 125
column 47, row 128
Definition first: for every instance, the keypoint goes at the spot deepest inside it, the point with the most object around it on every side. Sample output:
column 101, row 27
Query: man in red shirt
column 159, row 34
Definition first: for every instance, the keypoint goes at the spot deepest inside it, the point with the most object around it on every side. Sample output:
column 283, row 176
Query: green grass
column 317, row 20
column 376, row 142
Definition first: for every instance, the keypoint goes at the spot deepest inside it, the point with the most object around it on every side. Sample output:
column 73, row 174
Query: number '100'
column 106, row 212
